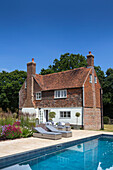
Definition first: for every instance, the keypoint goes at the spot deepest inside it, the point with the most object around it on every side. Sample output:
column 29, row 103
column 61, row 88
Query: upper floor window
column 90, row 76
column 38, row 96
column 65, row 114
column 60, row 93
column 95, row 79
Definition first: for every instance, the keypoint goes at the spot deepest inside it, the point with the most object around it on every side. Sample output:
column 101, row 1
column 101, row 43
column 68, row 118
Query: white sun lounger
column 64, row 133
column 42, row 133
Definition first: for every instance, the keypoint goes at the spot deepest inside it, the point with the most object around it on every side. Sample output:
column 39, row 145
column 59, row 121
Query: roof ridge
column 62, row 71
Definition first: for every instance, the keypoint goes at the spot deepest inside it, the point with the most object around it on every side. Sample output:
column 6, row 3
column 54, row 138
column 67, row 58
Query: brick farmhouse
column 64, row 93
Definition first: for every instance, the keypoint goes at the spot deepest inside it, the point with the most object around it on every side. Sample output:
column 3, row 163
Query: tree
column 108, row 93
column 77, row 115
column 67, row 62
column 51, row 115
column 10, row 84
column 100, row 74
column 70, row 61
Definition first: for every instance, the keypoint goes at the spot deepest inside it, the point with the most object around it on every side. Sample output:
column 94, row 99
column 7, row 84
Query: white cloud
column 4, row 69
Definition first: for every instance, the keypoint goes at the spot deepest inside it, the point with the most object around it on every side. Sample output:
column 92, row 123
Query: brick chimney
column 90, row 60
column 31, row 71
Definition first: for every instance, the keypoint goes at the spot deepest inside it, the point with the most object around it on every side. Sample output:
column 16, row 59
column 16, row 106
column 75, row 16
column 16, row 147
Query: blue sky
column 45, row 29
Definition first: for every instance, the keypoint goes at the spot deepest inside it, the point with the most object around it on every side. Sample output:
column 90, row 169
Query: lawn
column 108, row 128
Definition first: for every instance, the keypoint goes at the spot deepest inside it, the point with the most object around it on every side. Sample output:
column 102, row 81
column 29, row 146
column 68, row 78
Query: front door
column 46, row 115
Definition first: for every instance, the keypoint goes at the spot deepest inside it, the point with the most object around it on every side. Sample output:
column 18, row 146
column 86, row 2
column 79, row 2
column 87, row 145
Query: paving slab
column 10, row 147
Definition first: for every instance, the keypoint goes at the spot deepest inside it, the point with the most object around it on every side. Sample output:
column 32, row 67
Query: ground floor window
column 65, row 114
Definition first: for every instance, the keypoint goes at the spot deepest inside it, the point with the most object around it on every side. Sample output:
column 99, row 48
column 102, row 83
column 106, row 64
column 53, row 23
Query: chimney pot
column 32, row 59
column 90, row 60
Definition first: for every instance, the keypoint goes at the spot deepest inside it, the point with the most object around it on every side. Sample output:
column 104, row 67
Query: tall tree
column 10, row 84
column 108, row 93
column 67, row 62
column 100, row 75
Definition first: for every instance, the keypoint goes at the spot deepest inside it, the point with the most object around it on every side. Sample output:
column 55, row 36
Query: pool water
column 96, row 154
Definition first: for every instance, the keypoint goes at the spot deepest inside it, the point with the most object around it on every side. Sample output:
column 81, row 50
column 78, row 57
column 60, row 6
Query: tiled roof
column 61, row 80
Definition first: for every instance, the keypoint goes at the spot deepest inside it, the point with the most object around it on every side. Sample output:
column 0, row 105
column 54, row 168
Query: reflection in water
column 18, row 167
column 91, row 155
column 105, row 150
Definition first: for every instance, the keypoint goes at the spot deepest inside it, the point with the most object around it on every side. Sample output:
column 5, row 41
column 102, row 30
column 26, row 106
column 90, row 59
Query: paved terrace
column 10, row 147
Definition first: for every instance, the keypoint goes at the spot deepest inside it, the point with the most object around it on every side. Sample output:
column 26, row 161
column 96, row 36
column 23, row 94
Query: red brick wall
column 92, row 118
column 74, row 99
column 92, row 104
column 31, row 70
column 97, row 87
column 88, row 93
column 26, row 96
column 90, row 60
column 22, row 96
column 92, row 92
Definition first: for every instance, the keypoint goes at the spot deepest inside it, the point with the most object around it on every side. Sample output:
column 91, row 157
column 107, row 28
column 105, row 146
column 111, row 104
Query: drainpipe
column 83, row 106
column 101, row 100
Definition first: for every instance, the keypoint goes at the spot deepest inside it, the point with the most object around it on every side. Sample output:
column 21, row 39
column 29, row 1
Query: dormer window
column 90, row 76
column 60, row 94
column 38, row 96
column 95, row 79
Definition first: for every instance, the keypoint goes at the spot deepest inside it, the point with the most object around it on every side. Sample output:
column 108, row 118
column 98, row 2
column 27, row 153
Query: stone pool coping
column 11, row 147
column 45, row 146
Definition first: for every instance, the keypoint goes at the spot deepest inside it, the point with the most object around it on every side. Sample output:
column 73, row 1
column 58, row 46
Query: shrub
column 32, row 124
column 6, row 119
column 0, row 132
column 11, row 132
column 51, row 115
column 26, row 132
column 77, row 114
column 14, row 115
column 24, row 121
column 106, row 119
column 2, row 121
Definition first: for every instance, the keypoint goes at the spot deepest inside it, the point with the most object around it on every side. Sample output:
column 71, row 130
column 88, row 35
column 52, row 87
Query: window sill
column 60, row 97
column 65, row 118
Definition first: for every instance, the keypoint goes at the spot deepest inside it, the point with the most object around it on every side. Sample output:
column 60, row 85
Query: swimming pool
column 91, row 154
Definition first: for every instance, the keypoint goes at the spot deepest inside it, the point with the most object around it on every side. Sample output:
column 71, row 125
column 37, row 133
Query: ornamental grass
column 12, row 128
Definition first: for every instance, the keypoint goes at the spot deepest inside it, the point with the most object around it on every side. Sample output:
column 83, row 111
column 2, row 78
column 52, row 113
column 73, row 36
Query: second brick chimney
column 31, row 71
column 90, row 60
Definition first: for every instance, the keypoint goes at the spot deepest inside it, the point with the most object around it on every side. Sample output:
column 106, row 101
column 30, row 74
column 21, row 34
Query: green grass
column 108, row 128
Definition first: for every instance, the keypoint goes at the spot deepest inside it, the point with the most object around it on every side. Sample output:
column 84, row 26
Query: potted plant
column 77, row 115
column 51, row 115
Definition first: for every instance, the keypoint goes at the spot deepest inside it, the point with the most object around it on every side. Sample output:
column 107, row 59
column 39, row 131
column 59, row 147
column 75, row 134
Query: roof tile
column 61, row 80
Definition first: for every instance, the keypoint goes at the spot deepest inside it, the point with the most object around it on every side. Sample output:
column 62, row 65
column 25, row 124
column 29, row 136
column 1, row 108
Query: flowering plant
column 11, row 132
column 16, row 123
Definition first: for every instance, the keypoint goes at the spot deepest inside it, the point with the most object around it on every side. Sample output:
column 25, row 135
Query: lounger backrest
column 40, row 129
column 51, row 128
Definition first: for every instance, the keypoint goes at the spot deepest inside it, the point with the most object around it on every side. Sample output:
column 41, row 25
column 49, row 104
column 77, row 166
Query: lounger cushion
column 43, row 131
column 51, row 128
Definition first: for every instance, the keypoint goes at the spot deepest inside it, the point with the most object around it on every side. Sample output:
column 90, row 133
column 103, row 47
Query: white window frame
column 90, row 78
column 38, row 95
column 65, row 113
column 58, row 94
column 95, row 79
